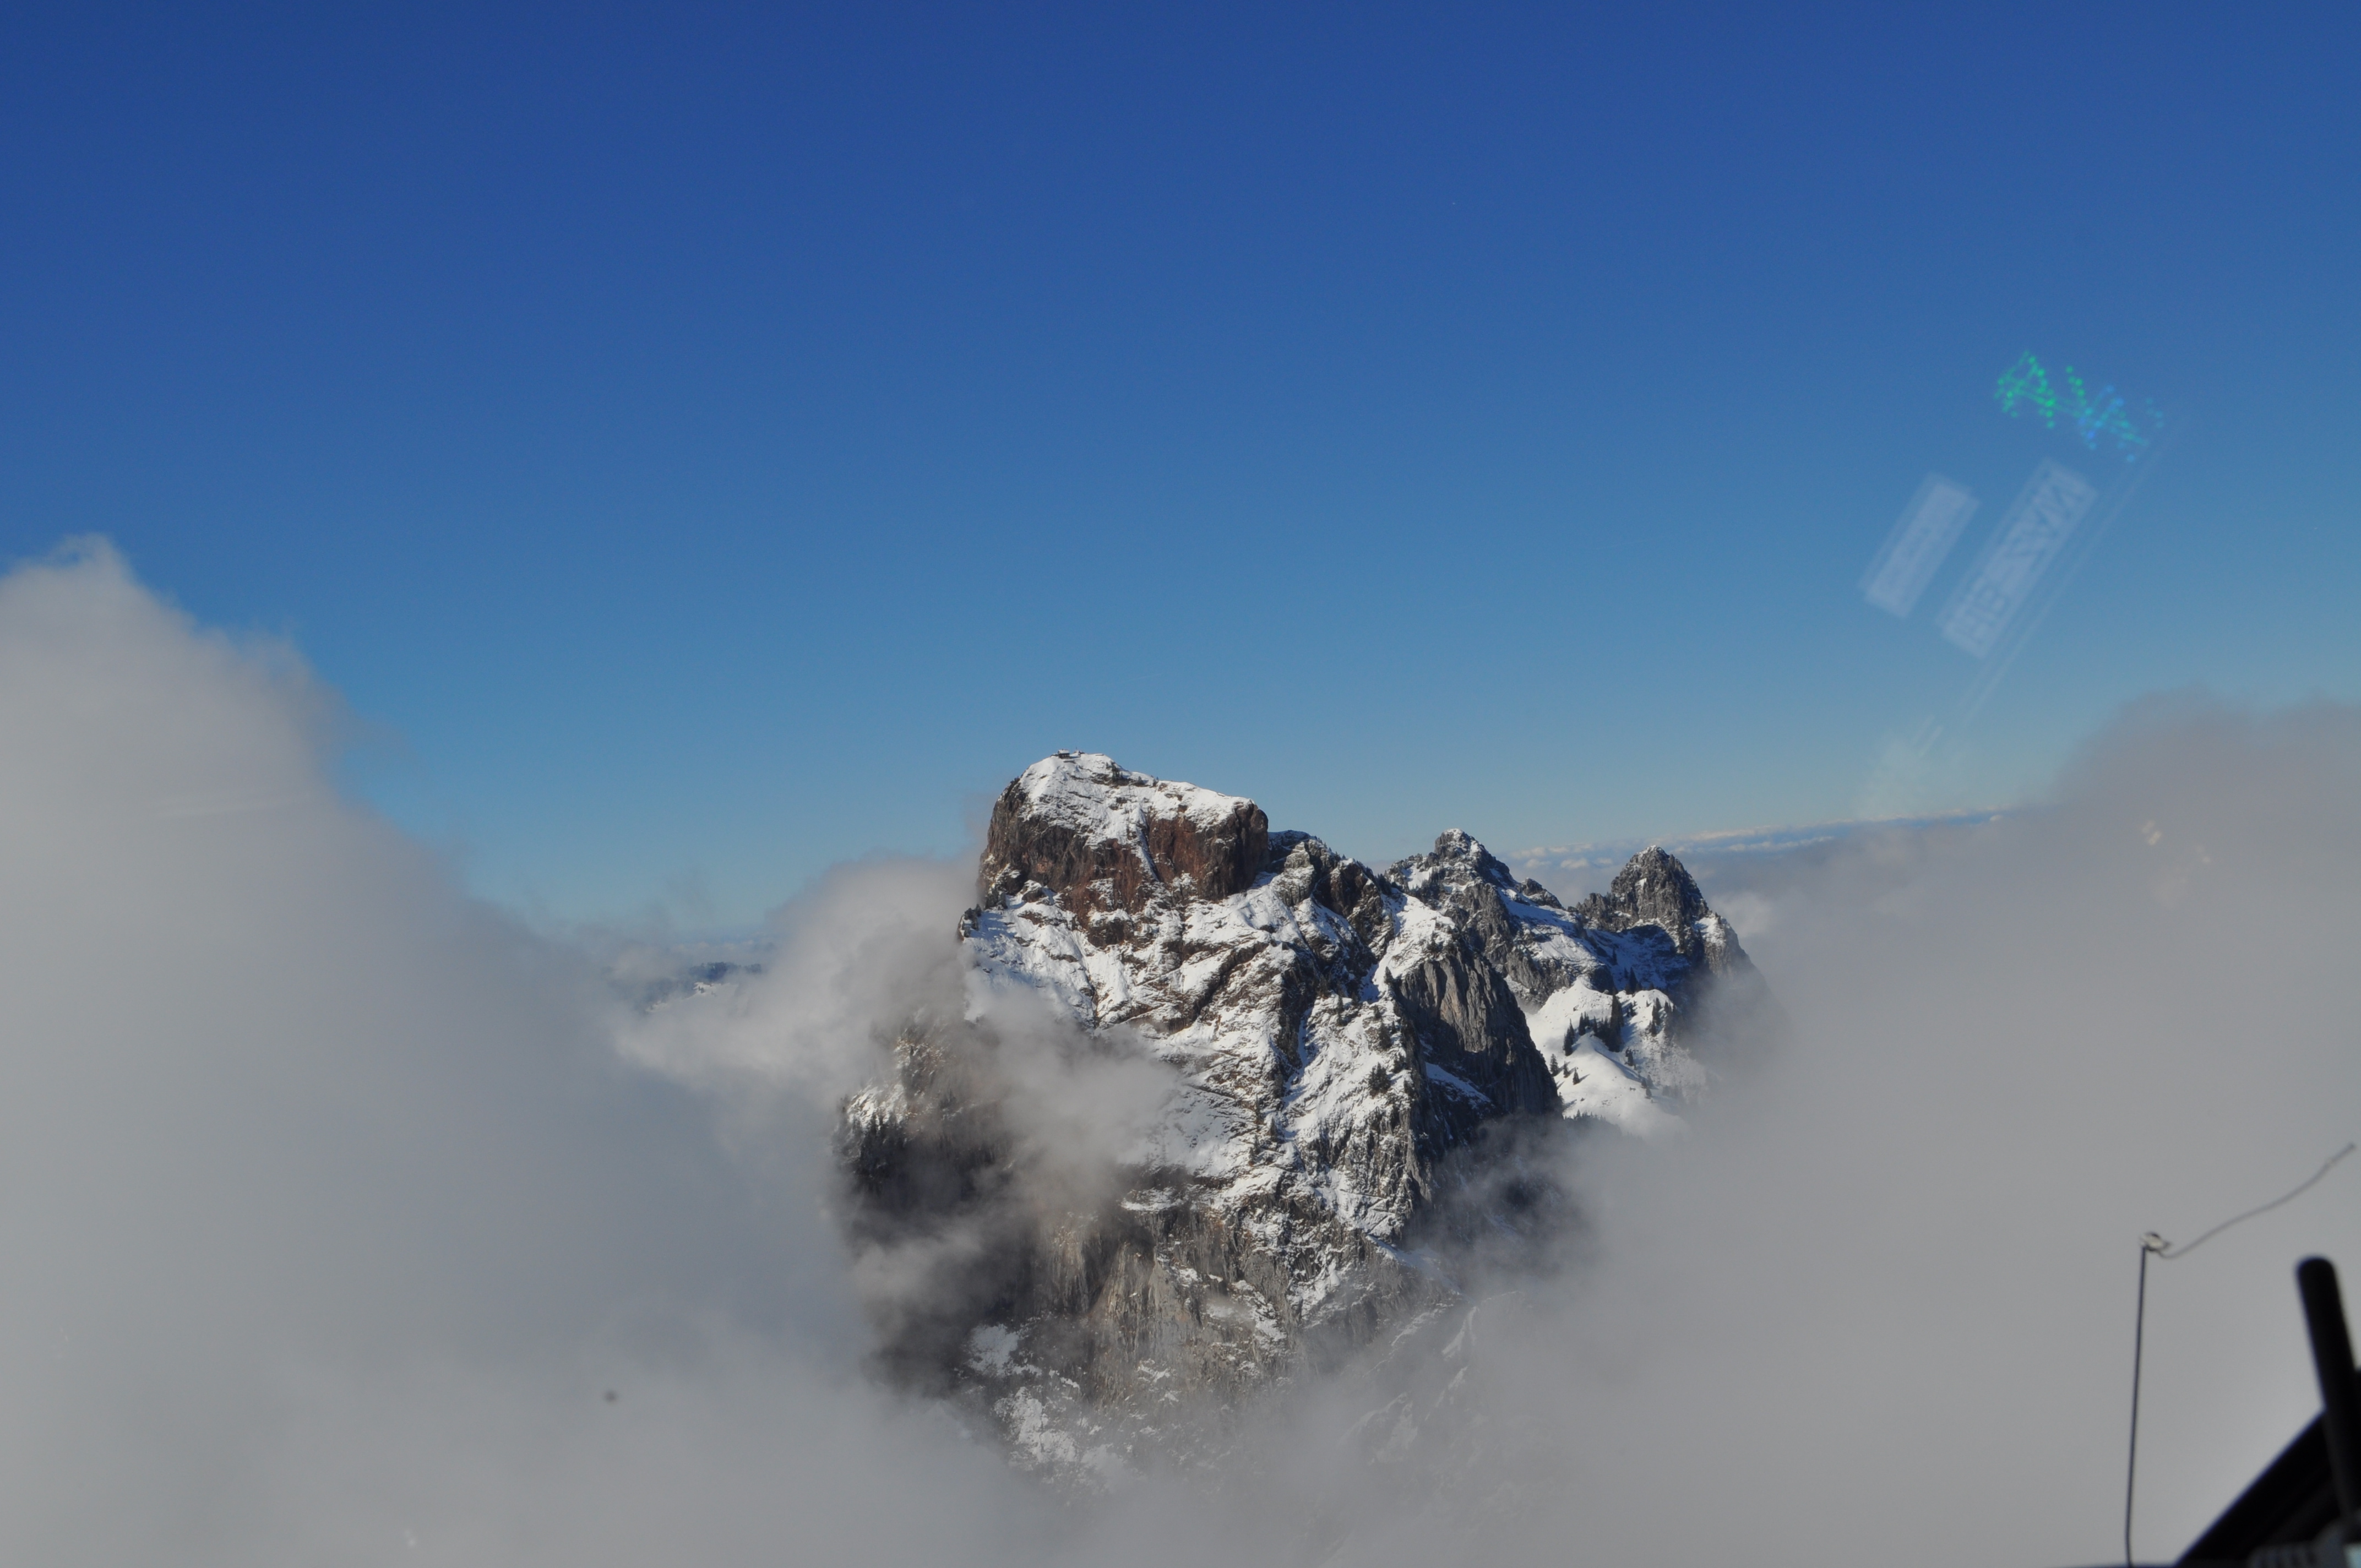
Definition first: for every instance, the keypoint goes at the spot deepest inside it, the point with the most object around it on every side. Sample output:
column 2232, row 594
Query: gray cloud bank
column 333, row 1204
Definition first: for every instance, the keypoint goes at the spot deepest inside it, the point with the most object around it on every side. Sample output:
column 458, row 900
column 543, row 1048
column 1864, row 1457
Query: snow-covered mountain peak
column 1654, row 889
column 1339, row 1045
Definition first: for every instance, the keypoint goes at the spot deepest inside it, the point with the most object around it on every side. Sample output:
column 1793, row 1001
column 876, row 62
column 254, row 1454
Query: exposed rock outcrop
column 1101, row 840
column 1654, row 889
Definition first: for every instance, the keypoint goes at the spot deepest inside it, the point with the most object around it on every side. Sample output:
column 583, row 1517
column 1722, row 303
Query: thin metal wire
column 2152, row 1244
column 2172, row 1251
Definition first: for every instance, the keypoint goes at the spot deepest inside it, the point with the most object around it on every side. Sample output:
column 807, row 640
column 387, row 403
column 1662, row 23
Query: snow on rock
column 1103, row 841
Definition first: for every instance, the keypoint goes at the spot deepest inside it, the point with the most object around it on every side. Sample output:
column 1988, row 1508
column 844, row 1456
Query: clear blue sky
column 717, row 443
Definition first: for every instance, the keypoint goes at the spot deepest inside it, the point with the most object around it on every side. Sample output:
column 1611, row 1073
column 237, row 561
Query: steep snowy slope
column 1611, row 989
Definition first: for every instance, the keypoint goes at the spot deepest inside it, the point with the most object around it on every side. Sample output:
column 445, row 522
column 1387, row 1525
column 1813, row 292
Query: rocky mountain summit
column 1346, row 1073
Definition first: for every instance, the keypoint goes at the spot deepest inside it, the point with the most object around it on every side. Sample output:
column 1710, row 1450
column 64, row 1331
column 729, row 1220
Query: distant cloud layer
column 333, row 1205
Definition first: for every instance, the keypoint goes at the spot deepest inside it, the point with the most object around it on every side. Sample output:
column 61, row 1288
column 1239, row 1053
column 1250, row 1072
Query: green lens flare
column 2027, row 387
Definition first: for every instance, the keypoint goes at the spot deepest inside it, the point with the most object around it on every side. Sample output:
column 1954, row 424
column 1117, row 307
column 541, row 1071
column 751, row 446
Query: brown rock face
column 1101, row 839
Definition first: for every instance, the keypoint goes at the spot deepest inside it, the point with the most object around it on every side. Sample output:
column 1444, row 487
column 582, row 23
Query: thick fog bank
column 332, row 1206
column 329, row 1216
column 1885, row 1293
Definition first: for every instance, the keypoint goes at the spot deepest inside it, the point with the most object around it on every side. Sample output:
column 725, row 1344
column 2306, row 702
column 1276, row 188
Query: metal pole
column 2149, row 1244
column 2340, row 1403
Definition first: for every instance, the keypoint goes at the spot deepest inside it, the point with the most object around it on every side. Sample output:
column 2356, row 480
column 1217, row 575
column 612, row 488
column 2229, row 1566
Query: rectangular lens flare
column 1925, row 533
column 2030, row 540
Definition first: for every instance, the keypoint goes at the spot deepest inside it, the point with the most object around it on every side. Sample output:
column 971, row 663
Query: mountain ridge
column 1357, row 1077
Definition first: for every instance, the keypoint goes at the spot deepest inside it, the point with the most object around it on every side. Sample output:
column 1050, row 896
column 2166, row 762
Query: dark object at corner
column 2296, row 1513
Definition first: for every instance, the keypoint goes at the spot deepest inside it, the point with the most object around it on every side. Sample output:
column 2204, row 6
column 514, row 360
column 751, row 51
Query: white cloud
column 327, row 1216
column 329, row 1213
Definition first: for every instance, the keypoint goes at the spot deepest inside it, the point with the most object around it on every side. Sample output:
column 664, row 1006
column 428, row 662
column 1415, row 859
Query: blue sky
column 706, row 445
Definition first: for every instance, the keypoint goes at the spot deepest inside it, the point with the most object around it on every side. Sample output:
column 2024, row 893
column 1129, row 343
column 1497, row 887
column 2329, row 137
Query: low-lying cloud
column 333, row 1204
